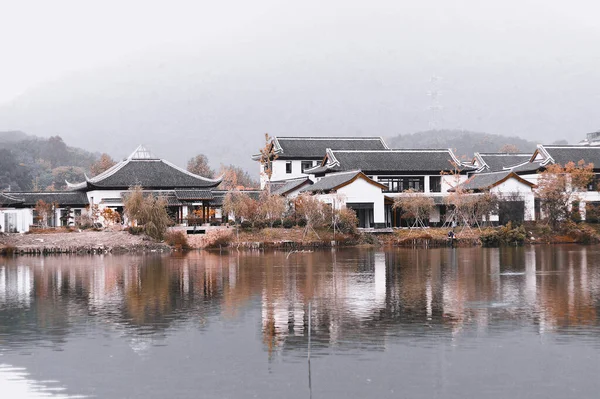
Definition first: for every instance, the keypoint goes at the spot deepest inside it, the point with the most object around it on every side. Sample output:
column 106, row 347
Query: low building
column 516, row 197
column 188, row 196
column 354, row 190
column 297, row 154
column 431, row 172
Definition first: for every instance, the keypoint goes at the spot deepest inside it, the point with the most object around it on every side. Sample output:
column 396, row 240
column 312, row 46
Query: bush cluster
column 504, row 235
column 218, row 238
column 177, row 239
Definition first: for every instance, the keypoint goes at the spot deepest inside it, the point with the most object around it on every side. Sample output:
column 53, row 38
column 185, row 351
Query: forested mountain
column 33, row 163
column 13, row 136
column 465, row 143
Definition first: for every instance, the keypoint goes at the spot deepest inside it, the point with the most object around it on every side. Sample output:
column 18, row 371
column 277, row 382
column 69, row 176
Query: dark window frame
column 288, row 167
column 435, row 184
column 398, row 184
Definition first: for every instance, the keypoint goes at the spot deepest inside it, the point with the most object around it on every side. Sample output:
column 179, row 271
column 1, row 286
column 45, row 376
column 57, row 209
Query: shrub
column 288, row 223
column 367, row 238
column 302, row 222
column 347, row 221
column 504, row 235
column 135, row 230
column 592, row 212
column 218, row 238
column 246, row 224
column 259, row 224
column 277, row 223
column 581, row 233
column 8, row 250
column 575, row 215
column 177, row 239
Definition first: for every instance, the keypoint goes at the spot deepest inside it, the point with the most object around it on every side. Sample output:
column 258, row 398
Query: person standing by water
column 451, row 237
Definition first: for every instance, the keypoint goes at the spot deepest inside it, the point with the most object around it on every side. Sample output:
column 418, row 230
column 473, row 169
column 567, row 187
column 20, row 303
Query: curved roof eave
column 216, row 181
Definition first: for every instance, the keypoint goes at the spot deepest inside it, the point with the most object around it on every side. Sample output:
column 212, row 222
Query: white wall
column 513, row 187
column 24, row 218
column 279, row 172
column 358, row 191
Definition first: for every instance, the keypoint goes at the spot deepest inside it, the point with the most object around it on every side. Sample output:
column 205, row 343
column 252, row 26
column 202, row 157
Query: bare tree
column 312, row 211
column 103, row 164
column 148, row 211
column 271, row 207
column 559, row 187
column 509, row 149
column 415, row 206
column 267, row 156
column 199, row 166
column 43, row 210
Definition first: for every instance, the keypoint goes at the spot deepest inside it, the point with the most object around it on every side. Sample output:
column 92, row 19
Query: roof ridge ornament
column 141, row 152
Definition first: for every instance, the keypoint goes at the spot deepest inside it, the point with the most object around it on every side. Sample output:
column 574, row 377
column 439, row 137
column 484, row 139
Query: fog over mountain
column 226, row 74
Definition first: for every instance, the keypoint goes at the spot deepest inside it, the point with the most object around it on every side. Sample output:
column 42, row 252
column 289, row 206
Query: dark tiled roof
column 285, row 186
column 144, row 169
column 68, row 198
column 7, row 199
column 500, row 161
column 334, row 180
column 172, row 200
column 393, row 161
column 172, row 197
column 563, row 154
column 149, row 174
column 528, row 167
column 189, row 195
column 314, row 147
column 484, row 181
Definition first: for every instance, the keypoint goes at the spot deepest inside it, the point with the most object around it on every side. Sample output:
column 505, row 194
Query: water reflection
column 362, row 302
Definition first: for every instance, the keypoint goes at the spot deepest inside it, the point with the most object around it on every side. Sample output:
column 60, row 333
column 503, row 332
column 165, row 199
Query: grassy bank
column 86, row 242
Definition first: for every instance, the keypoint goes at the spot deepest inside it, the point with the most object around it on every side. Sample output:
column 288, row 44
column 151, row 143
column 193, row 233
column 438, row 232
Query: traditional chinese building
column 187, row 195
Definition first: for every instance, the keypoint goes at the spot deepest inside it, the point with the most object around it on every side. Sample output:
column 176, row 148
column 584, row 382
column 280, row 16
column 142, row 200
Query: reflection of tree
column 360, row 298
column 148, row 298
column 567, row 289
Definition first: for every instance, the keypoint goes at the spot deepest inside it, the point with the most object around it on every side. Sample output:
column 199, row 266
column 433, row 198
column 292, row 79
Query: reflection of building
column 343, row 301
column 359, row 298
column 16, row 285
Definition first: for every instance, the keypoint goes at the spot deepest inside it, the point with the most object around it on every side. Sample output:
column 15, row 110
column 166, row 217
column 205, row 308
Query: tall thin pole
column 309, row 327
column 309, row 373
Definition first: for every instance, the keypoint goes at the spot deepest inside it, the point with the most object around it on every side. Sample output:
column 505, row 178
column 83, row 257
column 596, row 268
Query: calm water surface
column 441, row 323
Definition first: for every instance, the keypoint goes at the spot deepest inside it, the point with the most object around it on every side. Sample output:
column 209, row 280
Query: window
column 306, row 165
column 400, row 184
column 288, row 167
column 435, row 184
column 594, row 183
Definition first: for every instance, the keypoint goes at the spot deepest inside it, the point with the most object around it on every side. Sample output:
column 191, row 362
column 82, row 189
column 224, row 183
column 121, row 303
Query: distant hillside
column 464, row 142
column 13, row 136
column 33, row 163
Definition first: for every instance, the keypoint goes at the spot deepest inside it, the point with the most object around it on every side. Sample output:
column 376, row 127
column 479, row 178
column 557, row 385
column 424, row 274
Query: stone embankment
column 84, row 242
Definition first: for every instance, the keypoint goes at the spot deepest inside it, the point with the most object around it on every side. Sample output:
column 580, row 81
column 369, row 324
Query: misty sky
column 186, row 77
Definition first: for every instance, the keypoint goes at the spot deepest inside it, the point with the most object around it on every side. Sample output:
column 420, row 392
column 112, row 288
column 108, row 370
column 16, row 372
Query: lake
column 400, row 323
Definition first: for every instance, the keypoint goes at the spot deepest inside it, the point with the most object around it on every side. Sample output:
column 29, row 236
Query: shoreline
column 121, row 242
